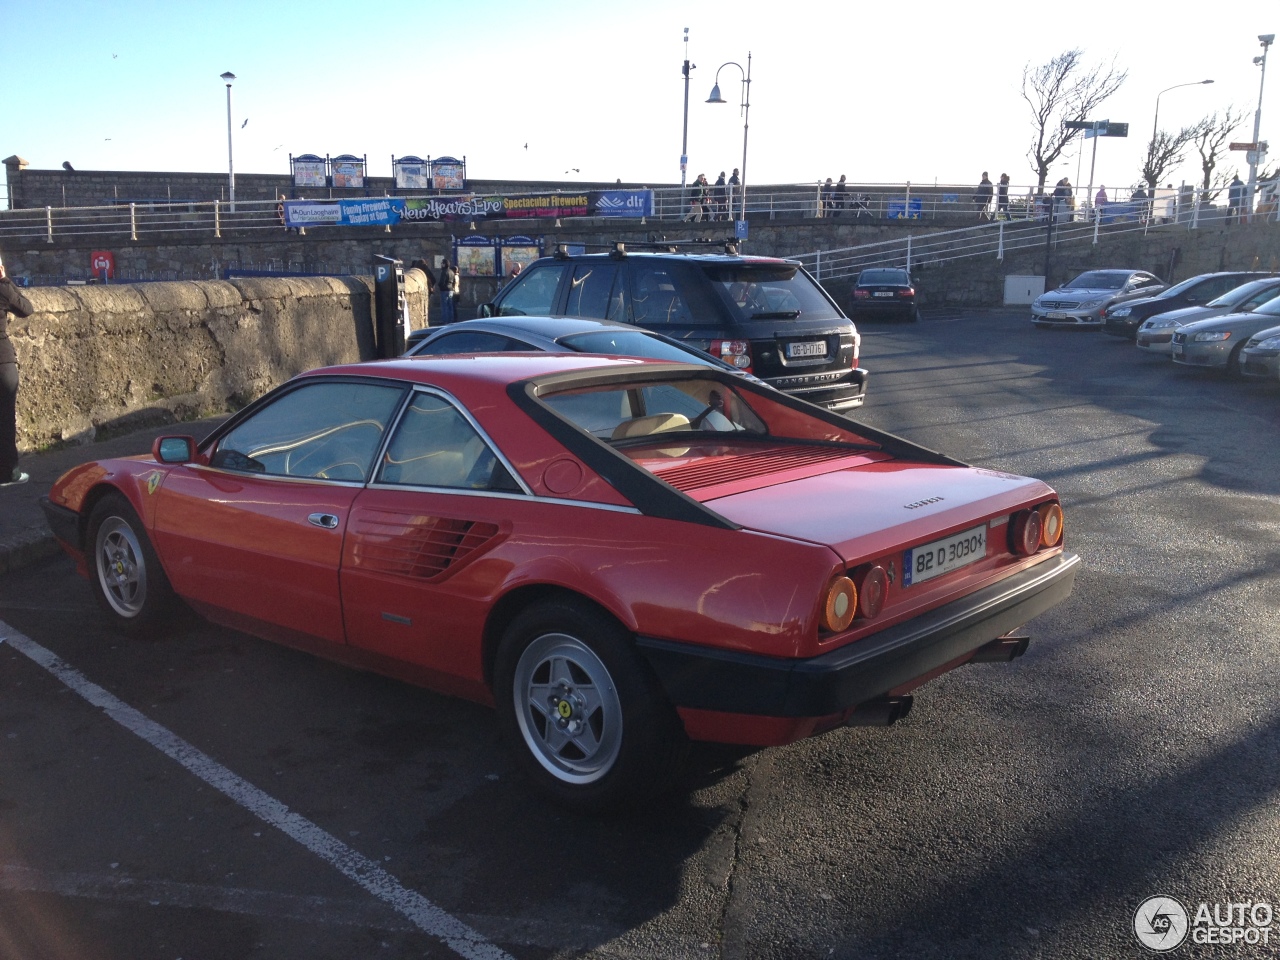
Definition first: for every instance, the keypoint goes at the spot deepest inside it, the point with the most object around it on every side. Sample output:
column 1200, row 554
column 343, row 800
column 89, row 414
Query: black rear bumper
column 731, row 682
column 849, row 390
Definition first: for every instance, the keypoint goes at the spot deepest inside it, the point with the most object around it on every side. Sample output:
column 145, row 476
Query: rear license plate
column 1057, row 316
column 943, row 556
column 1176, row 349
column 884, row 293
column 807, row 348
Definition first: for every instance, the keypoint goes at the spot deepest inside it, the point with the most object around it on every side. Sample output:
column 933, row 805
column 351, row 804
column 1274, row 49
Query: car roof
column 668, row 255
column 550, row 328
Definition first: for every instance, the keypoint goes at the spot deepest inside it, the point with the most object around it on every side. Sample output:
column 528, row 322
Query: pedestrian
column 11, row 301
column 449, row 285
column 1235, row 199
column 734, row 185
column 826, row 196
column 982, row 197
column 841, row 195
column 1061, row 194
column 1002, row 198
column 1138, row 203
column 1100, row 201
column 719, row 201
column 699, row 197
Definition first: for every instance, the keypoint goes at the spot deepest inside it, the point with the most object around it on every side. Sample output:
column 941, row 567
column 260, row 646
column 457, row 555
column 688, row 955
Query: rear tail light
column 873, row 585
column 1024, row 533
column 861, row 294
column 840, row 605
column 909, row 292
column 736, row 353
column 1050, row 524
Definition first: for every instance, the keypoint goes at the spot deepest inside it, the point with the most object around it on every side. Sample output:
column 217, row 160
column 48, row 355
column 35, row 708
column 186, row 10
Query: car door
column 416, row 572
column 258, row 532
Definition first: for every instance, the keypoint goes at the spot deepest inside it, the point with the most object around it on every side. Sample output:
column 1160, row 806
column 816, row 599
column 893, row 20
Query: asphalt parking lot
column 210, row 795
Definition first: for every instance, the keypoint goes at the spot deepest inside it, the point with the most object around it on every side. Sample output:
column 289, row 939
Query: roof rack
column 655, row 244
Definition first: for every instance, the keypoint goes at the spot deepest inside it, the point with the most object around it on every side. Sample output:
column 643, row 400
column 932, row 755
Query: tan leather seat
column 643, row 426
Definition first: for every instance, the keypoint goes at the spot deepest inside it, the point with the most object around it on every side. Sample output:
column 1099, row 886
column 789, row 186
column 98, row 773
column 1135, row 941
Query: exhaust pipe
column 1002, row 649
column 881, row 712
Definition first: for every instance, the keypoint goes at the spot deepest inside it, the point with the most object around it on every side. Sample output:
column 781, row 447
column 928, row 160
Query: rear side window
column 534, row 295
column 663, row 294
column 593, row 290
column 469, row 341
column 435, row 446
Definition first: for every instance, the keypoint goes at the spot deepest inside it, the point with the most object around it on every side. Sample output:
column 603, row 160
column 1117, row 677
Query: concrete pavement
column 24, row 535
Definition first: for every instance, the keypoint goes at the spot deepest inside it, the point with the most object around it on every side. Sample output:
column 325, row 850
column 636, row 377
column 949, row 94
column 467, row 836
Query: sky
column 593, row 90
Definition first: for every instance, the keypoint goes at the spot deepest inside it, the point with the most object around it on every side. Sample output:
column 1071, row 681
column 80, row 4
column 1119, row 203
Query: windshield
column 1179, row 288
column 770, row 291
column 1270, row 309
column 632, row 343
column 1247, row 292
column 884, row 276
column 1098, row 280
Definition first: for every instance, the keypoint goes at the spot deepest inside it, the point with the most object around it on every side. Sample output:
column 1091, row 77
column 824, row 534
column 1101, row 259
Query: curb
column 26, row 548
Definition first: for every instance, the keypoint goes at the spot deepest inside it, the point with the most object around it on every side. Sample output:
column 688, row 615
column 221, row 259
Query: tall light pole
column 231, row 167
column 1267, row 39
column 1155, row 121
column 746, row 113
column 684, row 141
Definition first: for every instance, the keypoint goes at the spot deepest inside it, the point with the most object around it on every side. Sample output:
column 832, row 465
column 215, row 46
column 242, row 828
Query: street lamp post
column 231, row 168
column 746, row 112
column 1155, row 121
column 1267, row 39
column 684, row 140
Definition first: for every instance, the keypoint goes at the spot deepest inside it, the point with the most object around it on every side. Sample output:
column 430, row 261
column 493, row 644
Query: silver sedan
column 1260, row 357
column 1156, row 333
column 1216, row 344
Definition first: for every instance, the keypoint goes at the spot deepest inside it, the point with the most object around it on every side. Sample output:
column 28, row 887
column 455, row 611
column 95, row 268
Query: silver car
column 1156, row 333
column 1260, row 357
column 1216, row 344
column 1083, row 301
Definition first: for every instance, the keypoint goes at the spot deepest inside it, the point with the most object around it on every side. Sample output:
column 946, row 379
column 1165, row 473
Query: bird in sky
column 245, row 124
column 574, row 169
column 526, row 146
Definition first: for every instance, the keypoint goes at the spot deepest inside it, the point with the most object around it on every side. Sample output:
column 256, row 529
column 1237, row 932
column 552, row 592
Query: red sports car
column 622, row 555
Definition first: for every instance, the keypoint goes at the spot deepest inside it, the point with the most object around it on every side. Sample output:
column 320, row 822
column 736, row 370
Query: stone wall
column 99, row 359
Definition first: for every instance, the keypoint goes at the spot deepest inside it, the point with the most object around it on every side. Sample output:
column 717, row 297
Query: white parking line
column 421, row 912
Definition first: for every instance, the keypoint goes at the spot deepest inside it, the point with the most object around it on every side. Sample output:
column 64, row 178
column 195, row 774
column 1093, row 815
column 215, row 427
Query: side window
column 590, row 291
column 435, row 446
column 322, row 430
column 1144, row 281
column 655, row 297
column 468, row 341
column 534, row 294
column 1216, row 288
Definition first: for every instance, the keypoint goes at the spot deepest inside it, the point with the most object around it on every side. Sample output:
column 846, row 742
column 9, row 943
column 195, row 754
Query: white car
column 1156, row 333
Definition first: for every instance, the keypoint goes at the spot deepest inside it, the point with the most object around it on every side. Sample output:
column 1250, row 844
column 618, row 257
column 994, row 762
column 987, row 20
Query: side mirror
column 174, row 449
column 486, row 310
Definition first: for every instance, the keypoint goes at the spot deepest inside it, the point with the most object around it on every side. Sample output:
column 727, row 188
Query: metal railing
column 999, row 237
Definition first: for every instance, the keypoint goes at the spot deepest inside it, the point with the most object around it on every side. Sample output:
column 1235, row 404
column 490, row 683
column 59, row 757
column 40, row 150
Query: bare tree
column 1212, row 134
column 1165, row 151
column 1064, row 89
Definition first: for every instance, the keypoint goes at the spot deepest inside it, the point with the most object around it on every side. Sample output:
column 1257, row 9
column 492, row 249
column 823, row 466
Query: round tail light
column 873, row 586
column 1024, row 533
column 840, row 606
column 1050, row 524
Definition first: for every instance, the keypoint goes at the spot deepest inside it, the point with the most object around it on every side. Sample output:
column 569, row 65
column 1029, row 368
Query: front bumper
column 1260, row 364
column 1121, row 326
column 1211, row 355
column 64, row 523
column 1067, row 318
column 1157, row 342
column 724, row 681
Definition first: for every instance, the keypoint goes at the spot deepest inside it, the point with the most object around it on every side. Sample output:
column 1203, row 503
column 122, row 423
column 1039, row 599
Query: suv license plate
column 943, row 556
column 807, row 348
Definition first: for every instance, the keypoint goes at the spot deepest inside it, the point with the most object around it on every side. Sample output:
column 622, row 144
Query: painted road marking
column 420, row 911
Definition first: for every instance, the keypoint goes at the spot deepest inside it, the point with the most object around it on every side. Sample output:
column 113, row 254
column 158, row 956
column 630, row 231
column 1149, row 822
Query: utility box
column 390, row 308
column 1022, row 290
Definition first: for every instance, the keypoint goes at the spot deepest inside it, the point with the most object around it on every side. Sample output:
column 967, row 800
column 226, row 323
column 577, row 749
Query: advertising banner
column 371, row 212
column 476, row 257
column 621, row 203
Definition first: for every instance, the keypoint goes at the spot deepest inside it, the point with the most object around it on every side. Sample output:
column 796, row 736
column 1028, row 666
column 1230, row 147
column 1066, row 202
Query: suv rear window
column 770, row 292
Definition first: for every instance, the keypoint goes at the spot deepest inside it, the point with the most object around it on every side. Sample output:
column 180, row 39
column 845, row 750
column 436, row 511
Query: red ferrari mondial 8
column 621, row 555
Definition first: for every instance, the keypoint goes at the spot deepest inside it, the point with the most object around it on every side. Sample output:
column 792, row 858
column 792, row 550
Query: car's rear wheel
column 589, row 721
column 126, row 575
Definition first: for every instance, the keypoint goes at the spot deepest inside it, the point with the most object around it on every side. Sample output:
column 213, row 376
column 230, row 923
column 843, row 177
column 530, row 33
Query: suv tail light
column 736, row 353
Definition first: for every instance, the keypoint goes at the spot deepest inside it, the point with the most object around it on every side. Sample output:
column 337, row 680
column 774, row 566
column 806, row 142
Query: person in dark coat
column 1002, row 197
column 982, row 197
column 449, row 285
column 1235, row 199
column 11, row 301
column 840, row 195
column 719, row 199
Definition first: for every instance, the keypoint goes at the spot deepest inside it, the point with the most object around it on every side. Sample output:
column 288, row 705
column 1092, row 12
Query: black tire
column 127, row 579
column 1233, row 363
column 605, row 735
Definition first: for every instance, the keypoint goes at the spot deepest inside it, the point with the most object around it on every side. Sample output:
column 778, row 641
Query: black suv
column 762, row 315
column 1124, row 319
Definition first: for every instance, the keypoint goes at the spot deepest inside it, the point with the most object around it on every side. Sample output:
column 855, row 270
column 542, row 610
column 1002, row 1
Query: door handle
column 326, row 520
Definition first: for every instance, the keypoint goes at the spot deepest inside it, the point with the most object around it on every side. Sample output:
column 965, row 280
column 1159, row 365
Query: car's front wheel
column 589, row 721
column 125, row 571
column 1233, row 370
